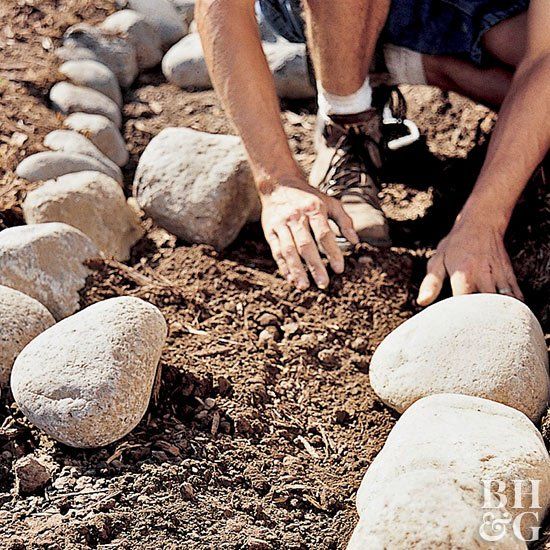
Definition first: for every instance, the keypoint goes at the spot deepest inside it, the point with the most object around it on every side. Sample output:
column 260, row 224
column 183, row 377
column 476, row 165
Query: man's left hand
column 474, row 258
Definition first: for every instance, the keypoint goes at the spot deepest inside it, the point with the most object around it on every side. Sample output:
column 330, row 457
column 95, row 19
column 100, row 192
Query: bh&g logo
column 525, row 496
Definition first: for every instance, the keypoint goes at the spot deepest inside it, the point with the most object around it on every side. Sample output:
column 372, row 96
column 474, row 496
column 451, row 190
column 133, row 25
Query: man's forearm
column 244, row 82
column 519, row 143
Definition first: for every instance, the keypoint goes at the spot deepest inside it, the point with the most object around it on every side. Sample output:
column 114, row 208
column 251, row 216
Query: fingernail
column 339, row 267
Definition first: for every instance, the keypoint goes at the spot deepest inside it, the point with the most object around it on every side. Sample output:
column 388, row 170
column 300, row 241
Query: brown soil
column 249, row 443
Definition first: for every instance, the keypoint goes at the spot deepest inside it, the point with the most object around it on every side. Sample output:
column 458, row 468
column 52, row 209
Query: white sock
column 332, row 104
column 405, row 66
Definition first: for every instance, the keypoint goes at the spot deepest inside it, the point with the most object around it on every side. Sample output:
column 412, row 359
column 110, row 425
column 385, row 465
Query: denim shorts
column 436, row 27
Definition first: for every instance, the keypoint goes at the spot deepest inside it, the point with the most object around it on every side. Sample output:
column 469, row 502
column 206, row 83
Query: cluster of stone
column 465, row 466
column 85, row 378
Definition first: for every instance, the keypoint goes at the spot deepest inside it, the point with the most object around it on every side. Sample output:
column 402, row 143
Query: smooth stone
column 133, row 26
column 46, row 262
column 95, row 75
column 89, row 42
column 102, row 133
column 87, row 381
column 23, row 318
column 288, row 63
column 184, row 66
column 52, row 164
column 162, row 16
column 424, row 489
column 93, row 203
column 70, row 141
column 196, row 185
column 186, row 9
column 68, row 98
column 484, row 345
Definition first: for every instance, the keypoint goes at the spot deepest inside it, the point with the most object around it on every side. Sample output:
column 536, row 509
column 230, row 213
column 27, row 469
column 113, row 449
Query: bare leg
column 486, row 85
column 342, row 36
column 505, row 43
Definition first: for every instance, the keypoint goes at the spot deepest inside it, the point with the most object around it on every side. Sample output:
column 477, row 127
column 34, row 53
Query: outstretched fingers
column 327, row 241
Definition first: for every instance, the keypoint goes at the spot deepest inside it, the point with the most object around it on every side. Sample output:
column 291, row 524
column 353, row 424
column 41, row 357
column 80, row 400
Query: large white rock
column 134, row 27
column 23, row 318
column 102, row 133
column 68, row 98
column 46, row 261
column 425, row 488
column 184, row 66
column 162, row 16
column 52, row 164
column 485, row 345
column 95, row 75
column 71, row 141
column 196, row 185
column 87, row 381
column 91, row 202
column 85, row 41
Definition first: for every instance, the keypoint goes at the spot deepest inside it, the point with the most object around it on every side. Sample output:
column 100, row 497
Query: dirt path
column 249, row 444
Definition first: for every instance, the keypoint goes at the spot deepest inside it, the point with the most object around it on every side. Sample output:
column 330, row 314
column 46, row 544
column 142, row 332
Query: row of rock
column 471, row 373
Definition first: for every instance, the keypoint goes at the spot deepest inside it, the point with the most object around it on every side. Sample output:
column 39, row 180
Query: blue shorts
column 436, row 27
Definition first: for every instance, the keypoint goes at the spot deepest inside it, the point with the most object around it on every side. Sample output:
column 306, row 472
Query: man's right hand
column 295, row 222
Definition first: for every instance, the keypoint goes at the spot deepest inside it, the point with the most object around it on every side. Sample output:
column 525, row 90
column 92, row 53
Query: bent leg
column 485, row 85
column 342, row 36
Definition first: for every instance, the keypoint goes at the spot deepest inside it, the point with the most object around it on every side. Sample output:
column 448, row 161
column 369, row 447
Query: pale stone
column 102, row 133
column 70, row 141
column 133, row 26
column 68, row 98
column 87, row 381
column 484, row 345
column 196, row 185
column 91, row 202
column 52, row 164
column 89, row 42
column 95, row 75
column 23, row 318
column 186, row 9
column 162, row 16
column 425, row 488
column 46, row 262
column 184, row 66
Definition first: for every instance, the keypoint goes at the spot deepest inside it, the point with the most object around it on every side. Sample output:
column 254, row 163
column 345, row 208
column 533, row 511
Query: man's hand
column 295, row 221
column 474, row 257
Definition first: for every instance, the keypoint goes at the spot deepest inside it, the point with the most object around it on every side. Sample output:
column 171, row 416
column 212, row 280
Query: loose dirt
column 250, row 442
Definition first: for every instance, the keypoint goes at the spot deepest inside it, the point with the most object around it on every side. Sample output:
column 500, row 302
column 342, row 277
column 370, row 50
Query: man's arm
column 473, row 254
column 294, row 215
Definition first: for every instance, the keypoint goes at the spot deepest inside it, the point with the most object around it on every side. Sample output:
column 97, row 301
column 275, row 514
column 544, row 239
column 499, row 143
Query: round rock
column 91, row 202
column 196, row 185
column 52, row 164
column 87, row 381
column 46, row 262
column 425, row 488
column 184, row 64
column 68, row 98
column 102, row 133
column 95, row 75
column 163, row 17
column 484, row 345
column 133, row 26
column 70, row 141
column 23, row 318
column 89, row 42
